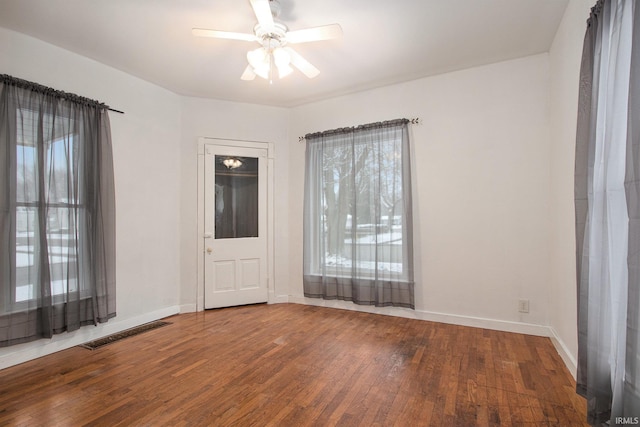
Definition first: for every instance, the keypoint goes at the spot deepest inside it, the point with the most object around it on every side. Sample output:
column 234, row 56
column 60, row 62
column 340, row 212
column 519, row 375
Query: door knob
column 209, row 250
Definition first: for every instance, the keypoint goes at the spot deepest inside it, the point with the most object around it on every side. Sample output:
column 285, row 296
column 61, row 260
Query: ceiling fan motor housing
column 268, row 35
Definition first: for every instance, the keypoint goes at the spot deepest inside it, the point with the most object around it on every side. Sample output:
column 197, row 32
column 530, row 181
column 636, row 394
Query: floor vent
column 92, row 345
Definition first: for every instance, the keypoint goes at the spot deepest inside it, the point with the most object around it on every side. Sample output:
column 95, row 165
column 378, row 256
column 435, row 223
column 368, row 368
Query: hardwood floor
column 294, row 365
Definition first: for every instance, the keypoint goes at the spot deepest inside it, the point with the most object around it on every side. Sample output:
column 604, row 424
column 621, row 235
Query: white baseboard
column 21, row 353
column 454, row 319
column 278, row 299
column 568, row 359
column 188, row 308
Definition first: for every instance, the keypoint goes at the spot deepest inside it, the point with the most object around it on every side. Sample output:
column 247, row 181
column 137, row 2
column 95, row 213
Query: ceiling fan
column 274, row 38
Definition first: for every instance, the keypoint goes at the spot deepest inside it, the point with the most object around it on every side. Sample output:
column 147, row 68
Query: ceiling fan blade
column 248, row 73
column 302, row 64
column 202, row 32
column 263, row 12
column 324, row 32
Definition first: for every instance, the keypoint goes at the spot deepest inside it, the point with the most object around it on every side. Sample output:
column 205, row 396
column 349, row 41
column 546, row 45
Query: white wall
column 147, row 178
column 565, row 55
column 482, row 188
column 235, row 121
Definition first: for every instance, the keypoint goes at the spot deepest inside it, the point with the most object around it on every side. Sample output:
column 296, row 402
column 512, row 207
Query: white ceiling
column 384, row 42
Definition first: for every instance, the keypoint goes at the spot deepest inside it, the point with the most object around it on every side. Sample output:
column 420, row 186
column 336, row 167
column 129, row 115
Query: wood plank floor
column 296, row 365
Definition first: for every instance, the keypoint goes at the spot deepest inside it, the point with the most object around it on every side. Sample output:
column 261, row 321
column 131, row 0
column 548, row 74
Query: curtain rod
column 36, row 87
column 414, row 121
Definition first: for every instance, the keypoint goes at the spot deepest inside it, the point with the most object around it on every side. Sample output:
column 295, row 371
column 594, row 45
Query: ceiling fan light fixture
column 263, row 71
column 262, row 60
column 282, row 59
column 257, row 57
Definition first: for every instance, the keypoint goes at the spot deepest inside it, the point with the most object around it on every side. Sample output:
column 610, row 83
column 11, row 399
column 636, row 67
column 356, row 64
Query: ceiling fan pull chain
column 271, row 66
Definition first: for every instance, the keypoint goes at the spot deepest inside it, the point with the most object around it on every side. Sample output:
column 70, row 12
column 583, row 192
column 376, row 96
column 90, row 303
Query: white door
column 235, row 226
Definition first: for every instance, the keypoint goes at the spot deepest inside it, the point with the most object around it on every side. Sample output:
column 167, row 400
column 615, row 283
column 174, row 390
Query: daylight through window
column 358, row 237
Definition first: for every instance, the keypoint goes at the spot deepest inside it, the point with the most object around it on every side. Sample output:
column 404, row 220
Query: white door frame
column 202, row 143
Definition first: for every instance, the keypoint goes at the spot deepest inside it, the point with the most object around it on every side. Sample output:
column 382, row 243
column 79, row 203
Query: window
column 358, row 228
column 236, row 197
column 57, row 212
column 61, row 208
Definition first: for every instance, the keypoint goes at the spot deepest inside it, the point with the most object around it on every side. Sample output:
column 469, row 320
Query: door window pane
column 236, row 197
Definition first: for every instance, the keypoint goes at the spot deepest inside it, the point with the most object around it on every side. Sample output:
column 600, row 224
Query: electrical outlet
column 523, row 306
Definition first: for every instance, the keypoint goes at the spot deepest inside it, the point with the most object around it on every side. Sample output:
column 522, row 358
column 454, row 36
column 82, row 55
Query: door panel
column 235, row 242
column 225, row 275
column 250, row 269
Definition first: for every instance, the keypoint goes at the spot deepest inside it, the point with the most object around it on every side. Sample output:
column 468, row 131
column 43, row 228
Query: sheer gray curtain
column 607, row 200
column 57, row 212
column 358, row 236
